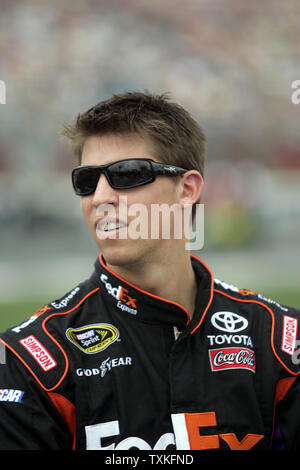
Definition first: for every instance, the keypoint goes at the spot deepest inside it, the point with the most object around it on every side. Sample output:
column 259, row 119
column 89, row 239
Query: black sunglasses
column 123, row 174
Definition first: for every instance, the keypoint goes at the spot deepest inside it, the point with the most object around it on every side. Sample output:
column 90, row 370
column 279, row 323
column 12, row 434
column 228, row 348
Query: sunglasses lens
column 121, row 175
column 130, row 173
column 85, row 180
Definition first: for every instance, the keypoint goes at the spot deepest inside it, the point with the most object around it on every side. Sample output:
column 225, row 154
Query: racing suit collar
column 127, row 299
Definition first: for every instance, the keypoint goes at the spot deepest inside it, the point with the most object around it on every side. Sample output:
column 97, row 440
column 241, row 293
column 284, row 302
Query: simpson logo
column 125, row 302
column 38, row 352
column 92, row 339
column 231, row 358
column 289, row 334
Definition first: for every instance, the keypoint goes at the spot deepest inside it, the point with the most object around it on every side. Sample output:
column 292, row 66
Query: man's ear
column 190, row 188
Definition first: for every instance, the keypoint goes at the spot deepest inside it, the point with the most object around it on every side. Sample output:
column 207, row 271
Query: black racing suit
column 110, row 366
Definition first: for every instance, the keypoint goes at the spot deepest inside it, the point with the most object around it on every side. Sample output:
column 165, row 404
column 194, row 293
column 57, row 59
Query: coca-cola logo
column 232, row 358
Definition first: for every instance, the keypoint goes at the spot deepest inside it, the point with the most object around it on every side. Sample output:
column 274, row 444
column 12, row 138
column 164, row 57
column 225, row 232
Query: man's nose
column 104, row 193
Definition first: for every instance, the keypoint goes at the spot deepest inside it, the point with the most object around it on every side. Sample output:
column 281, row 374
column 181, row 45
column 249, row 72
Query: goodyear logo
column 92, row 339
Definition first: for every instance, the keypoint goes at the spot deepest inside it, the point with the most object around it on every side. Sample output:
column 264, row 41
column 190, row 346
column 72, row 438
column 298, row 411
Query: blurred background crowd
column 231, row 63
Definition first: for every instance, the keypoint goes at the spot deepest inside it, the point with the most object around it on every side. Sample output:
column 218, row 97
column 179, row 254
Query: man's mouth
column 110, row 228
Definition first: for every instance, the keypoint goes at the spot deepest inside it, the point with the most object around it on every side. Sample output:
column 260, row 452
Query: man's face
column 116, row 244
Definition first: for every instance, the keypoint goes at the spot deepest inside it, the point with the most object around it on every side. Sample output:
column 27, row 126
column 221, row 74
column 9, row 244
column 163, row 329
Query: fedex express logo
column 192, row 431
column 125, row 302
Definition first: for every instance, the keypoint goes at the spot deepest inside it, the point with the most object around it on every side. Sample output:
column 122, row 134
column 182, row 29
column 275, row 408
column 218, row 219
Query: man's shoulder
column 251, row 296
column 67, row 303
column 40, row 347
column 279, row 324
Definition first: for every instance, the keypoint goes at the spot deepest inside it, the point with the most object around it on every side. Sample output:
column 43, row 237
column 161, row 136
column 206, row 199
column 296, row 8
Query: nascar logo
column 92, row 339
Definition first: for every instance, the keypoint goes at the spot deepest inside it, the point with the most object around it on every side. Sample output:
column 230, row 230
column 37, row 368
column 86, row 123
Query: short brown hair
column 176, row 137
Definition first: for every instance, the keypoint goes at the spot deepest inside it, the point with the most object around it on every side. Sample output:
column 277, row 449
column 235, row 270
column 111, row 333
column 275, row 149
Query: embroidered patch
column 92, row 339
column 231, row 358
column 38, row 352
column 289, row 334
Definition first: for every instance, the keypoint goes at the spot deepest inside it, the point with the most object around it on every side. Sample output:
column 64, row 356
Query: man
column 151, row 352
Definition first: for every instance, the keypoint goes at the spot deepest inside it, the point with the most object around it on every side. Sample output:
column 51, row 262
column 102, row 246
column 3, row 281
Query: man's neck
column 174, row 280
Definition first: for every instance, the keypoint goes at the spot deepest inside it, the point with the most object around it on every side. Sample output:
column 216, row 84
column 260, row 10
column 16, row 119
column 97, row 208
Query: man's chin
column 118, row 252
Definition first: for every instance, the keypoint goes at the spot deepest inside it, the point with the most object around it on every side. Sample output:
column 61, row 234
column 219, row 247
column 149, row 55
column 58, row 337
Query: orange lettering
column 126, row 298
column 193, row 437
column 131, row 302
column 194, row 421
column 249, row 441
column 42, row 310
column 246, row 292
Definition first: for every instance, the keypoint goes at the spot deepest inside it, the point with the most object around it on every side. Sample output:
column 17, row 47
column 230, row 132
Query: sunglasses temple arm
column 167, row 170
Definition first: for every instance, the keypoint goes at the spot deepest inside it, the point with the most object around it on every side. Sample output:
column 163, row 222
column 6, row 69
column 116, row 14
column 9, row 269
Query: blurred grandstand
column 230, row 63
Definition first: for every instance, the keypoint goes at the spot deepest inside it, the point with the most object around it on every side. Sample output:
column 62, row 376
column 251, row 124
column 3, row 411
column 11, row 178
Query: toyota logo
column 229, row 321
